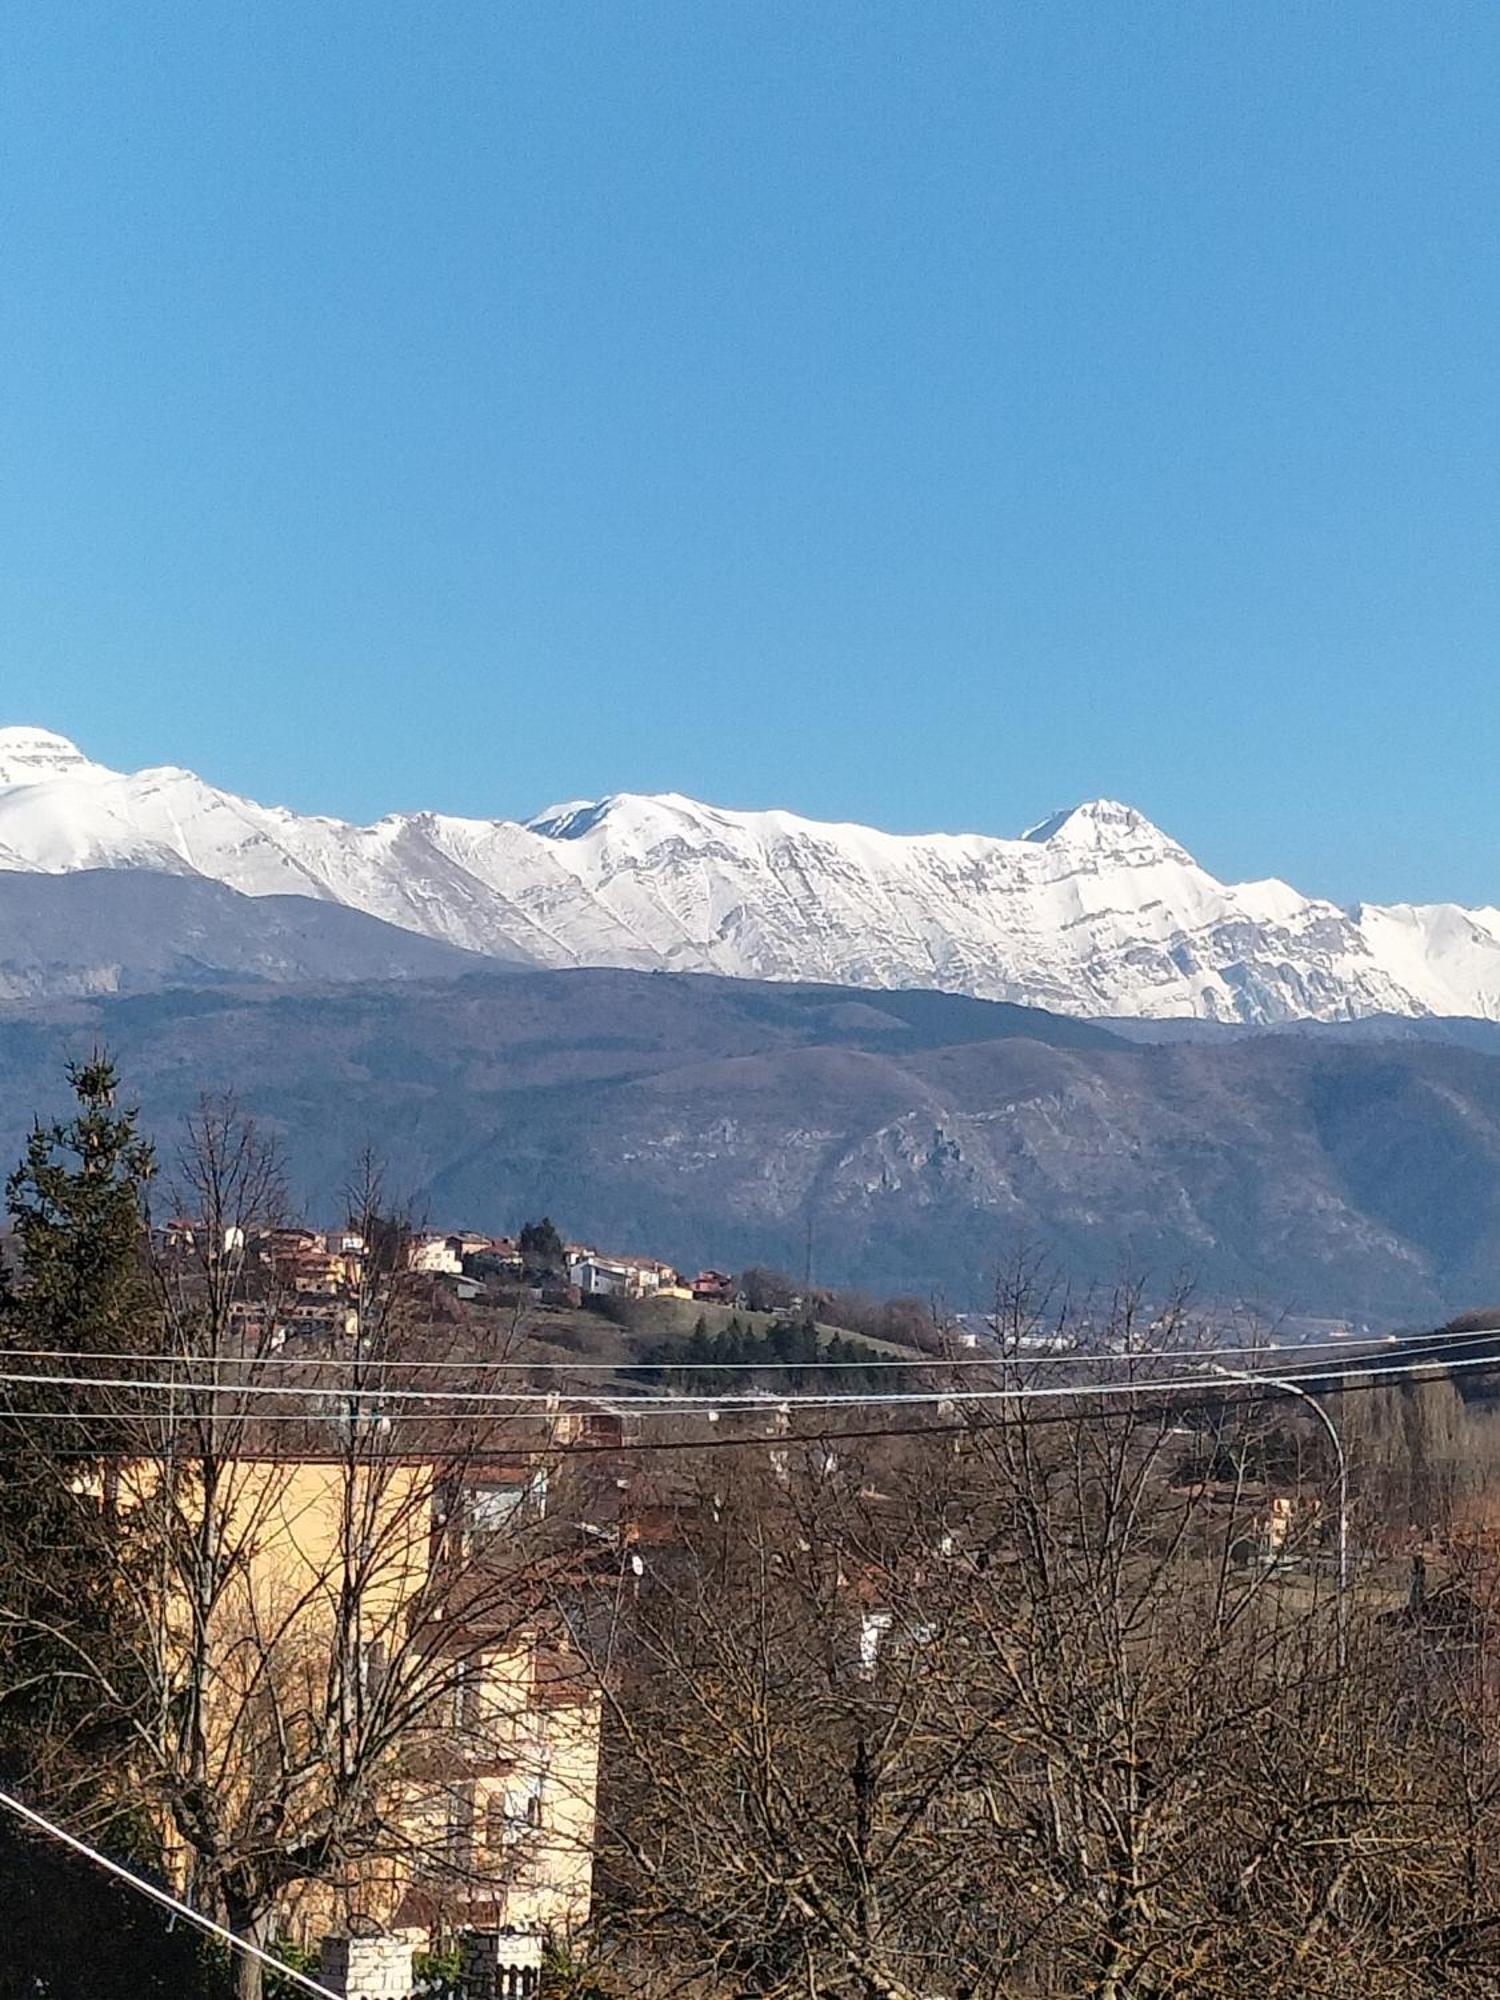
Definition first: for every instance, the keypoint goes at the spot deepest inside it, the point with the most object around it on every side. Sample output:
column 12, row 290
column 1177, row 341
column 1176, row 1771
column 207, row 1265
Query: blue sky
column 928, row 413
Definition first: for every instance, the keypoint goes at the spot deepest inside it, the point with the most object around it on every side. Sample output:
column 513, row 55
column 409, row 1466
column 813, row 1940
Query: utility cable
column 668, row 1404
column 163, row 1896
column 1398, row 1343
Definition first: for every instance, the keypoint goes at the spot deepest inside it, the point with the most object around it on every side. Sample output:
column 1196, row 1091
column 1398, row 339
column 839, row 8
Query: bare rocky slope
column 1096, row 912
column 922, row 1134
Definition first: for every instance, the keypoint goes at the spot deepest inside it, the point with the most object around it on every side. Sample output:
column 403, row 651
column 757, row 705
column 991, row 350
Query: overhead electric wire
column 1226, row 1390
column 550, row 1401
column 162, row 1896
column 436, row 1401
column 1297, row 1359
column 1049, row 1357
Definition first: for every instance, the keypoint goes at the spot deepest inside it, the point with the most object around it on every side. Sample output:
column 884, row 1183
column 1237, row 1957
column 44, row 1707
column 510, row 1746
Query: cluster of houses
column 306, row 1282
column 588, row 1273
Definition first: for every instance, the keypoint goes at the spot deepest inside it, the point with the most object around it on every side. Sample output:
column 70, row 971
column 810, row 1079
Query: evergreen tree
column 76, row 1204
column 544, row 1256
column 81, row 1290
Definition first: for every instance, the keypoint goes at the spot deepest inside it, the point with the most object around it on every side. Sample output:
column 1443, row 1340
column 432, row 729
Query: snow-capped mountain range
column 1095, row 912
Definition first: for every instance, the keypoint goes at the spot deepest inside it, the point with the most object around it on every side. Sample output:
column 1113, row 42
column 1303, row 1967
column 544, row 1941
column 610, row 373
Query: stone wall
column 367, row 1968
column 501, row 1965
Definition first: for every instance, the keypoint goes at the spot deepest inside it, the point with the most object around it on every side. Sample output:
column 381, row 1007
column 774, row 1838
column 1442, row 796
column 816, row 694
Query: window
column 873, row 1627
column 498, row 1508
column 491, row 1508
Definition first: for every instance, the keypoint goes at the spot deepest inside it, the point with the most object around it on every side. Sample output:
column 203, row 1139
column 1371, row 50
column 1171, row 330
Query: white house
column 600, row 1277
column 439, row 1254
column 618, row 1277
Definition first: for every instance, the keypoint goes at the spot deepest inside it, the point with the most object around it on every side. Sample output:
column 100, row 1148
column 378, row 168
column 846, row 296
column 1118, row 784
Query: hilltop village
column 301, row 1287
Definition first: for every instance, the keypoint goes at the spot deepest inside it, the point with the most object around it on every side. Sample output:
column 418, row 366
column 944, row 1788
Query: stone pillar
column 367, row 1968
column 501, row 1965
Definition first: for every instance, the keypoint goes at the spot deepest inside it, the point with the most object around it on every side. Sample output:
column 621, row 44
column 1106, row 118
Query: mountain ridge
column 922, row 1136
column 1094, row 912
column 95, row 932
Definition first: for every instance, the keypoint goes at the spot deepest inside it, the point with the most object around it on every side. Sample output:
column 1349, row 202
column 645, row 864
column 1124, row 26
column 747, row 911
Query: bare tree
column 1047, row 1701
column 339, row 1593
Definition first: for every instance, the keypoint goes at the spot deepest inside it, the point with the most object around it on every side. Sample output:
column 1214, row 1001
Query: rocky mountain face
column 1096, row 912
column 921, row 1135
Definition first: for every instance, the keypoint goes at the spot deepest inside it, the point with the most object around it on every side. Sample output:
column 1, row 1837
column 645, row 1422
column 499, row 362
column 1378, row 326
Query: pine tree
column 76, row 1205
column 80, row 1294
column 543, row 1253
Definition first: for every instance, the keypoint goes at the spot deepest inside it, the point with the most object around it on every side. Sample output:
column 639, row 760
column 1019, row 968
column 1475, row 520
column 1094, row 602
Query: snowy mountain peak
column 625, row 812
column 571, row 821
column 1096, row 911
column 27, row 756
column 1102, row 824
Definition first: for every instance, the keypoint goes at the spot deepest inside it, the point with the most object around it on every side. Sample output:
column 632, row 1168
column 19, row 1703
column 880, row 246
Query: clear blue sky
column 925, row 413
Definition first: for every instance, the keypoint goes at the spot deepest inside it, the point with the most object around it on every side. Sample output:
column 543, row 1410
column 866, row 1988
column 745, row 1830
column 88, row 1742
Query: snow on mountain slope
column 1095, row 911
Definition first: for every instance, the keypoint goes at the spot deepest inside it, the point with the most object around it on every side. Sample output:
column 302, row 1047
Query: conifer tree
column 76, row 1205
column 543, row 1254
column 78, row 1294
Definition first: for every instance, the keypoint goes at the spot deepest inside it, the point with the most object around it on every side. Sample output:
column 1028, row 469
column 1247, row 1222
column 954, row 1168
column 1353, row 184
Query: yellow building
column 369, row 1651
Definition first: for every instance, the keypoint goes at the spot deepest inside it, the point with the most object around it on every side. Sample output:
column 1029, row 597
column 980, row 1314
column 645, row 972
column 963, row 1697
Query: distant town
column 303, row 1285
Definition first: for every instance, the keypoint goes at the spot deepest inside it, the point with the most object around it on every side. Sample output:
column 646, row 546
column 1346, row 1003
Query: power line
column 1399, row 1343
column 163, row 1896
column 559, row 1402
column 1217, row 1397
column 1397, row 1347
column 562, row 1402
column 1231, row 1390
